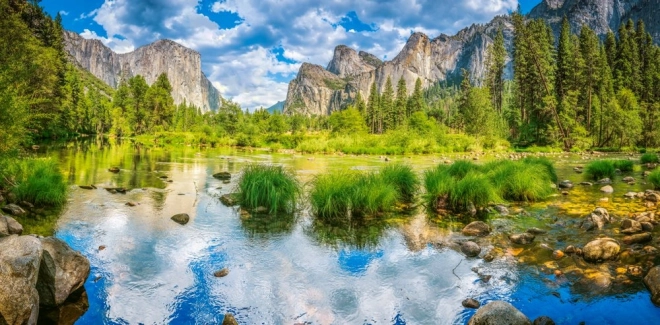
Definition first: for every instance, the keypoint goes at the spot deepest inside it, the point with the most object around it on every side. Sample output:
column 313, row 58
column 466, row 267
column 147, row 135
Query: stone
column 543, row 320
column 565, row 184
column 9, row 226
column 638, row 238
column 229, row 199
column 222, row 176
column 630, row 195
column 181, row 218
column 570, row 249
column 471, row 303
column 114, row 169
column 652, row 282
column 131, row 204
column 605, row 181
column 600, row 250
column 587, row 184
column 470, row 249
column 652, row 196
column 20, row 257
column 557, row 254
column 628, row 179
column 476, row 228
column 63, row 271
column 607, row 189
column 67, row 313
column 522, row 239
column 261, row 210
column 499, row 312
column 14, row 210
column 501, row 209
column 629, row 226
column 536, row 231
column 221, row 273
column 229, row 320
column 647, row 226
column 87, row 187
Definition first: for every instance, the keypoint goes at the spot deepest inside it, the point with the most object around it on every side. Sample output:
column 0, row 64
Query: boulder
column 63, row 271
column 543, row 320
column 605, row 181
column 229, row 199
column 647, row 226
column 628, row 179
column 222, row 176
column 652, row 282
column 565, row 184
column 607, row 189
column 597, row 219
column 68, row 313
column 638, row 238
column 20, row 257
column 499, row 312
column 11, row 226
column 630, row 195
column 181, row 218
column 652, row 196
column 229, row 320
column 600, row 250
column 629, row 226
column 471, row 303
column 522, row 239
column 502, row 210
column 476, row 228
column 13, row 210
column 470, row 249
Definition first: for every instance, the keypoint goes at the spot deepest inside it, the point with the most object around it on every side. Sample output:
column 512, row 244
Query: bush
column 38, row 181
column 271, row 187
column 624, row 165
column 654, row 178
column 649, row 158
column 600, row 169
column 403, row 178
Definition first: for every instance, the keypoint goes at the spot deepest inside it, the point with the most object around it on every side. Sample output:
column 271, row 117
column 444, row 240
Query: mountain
column 320, row 91
column 182, row 65
column 277, row 108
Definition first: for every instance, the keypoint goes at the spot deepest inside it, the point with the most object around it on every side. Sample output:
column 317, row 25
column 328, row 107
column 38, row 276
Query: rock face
column 19, row 269
column 499, row 312
column 63, row 271
column 182, row 65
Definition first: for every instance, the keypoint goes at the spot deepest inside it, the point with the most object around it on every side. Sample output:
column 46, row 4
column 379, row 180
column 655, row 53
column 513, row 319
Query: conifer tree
column 373, row 109
column 401, row 105
column 387, row 106
column 496, row 62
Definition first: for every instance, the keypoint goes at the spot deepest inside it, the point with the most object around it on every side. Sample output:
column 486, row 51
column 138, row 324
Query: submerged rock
column 600, row 250
column 471, row 303
column 597, row 219
column 222, row 176
column 501, row 209
column 19, row 270
column 652, row 196
column 229, row 199
column 87, row 187
column 181, row 218
column 652, row 282
column 628, row 179
column 629, row 226
column 587, row 184
column 476, row 228
column 114, row 169
column 630, row 195
column 638, row 238
column 13, row 210
column 605, row 181
column 522, row 239
column 221, row 273
column 565, row 184
column 470, row 249
column 607, row 189
column 63, row 271
column 536, row 231
column 543, row 320
column 229, row 320
column 499, row 312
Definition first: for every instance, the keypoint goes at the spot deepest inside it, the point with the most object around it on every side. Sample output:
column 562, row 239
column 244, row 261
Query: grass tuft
column 549, row 166
column 624, row 165
column 649, row 158
column 372, row 194
column 404, row 179
column 38, row 181
column 272, row 187
column 474, row 188
column 600, row 169
column 331, row 194
column 654, row 178
column 523, row 181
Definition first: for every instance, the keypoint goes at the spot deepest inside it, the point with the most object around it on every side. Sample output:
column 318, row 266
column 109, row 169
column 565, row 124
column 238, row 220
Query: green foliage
column 371, row 194
column 461, row 168
column 334, row 84
column 475, row 188
column 522, row 181
column 38, row 181
column 600, row 169
column 624, row 165
column 649, row 158
column 331, row 194
column 654, row 178
column 272, row 187
column 403, row 178
column 348, row 121
column 549, row 166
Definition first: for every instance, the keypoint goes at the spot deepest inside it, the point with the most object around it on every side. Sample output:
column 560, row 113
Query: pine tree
column 416, row 102
column 373, row 109
column 387, row 106
column 401, row 105
column 610, row 49
column 564, row 60
column 360, row 105
column 589, row 48
column 496, row 58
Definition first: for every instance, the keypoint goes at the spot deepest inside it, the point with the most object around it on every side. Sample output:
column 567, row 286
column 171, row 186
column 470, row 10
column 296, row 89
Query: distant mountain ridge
column 320, row 91
column 182, row 65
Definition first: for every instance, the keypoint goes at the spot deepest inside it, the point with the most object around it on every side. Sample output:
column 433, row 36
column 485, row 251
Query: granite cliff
column 182, row 65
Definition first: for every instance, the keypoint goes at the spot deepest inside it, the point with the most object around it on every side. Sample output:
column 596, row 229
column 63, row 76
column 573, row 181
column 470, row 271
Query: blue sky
column 251, row 49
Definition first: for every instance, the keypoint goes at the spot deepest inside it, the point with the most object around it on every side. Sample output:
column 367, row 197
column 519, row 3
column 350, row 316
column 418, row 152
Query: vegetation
column 268, row 186
column 624, row 165
column 528, row 180
column 600, row 169
column 404, row 180
column 654, row 178
column 649, row 158
column 38, row 181
column 331, row 195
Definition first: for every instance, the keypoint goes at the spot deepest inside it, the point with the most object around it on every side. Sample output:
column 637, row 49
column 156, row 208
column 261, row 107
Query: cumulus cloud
column 240, row 60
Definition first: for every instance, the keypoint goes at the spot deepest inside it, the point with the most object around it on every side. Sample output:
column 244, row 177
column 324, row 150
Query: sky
column 251, row 49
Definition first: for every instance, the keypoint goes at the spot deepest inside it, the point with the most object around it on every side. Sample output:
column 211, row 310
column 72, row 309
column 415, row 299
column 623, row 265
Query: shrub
column 600, row 169
column 624, row 165
column 268, row 186
column 403, row 178
column 650, row 158
column 38, row 181
column 654, row 178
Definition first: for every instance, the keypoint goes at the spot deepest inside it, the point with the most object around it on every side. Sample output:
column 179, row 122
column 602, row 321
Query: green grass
column 272, row 187
column 600, row 169
column 654, row 178
column 474, row 188
column 649, row 158
column 372, row 194
column 528, row 180
column 549, row 166
column 404, row 179
column 624, row 165
column 38, row 181
column 461, row 168
column 331, row 194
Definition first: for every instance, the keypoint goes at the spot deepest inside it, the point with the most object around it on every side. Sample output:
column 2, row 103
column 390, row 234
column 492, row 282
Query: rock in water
column 522, row 239
column 181, row 218
column 470, row 249
column 63, row 271
column 600, row 250
column 9, row 226
column 499, row 312
column 19, row 270
column 638, row 238
column 543, row 320
column 565, row 184
column 607, row 189
column 476, row 228
column 652, row 282
column 598, row 218
column 229, row 199
column 114, row 169
column 223, row 176
column 229, row 320
column 13, row 210
column 629, row 226
column 221, row 273
column 471, row 303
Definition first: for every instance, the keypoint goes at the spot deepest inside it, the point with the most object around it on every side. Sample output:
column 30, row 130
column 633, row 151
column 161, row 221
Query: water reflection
column 359, row 233
column 265, row 225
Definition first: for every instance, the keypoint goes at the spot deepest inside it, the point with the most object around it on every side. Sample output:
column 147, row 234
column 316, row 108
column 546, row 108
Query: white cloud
column 64, row 13
column 116, row 44
column 240, row 61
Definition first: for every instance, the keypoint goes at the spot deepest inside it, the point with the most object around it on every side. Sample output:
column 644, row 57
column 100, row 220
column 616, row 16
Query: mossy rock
column 222, row 176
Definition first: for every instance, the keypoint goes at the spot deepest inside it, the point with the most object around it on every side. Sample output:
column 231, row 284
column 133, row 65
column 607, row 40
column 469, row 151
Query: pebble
column 471, row 303
column 221, row 273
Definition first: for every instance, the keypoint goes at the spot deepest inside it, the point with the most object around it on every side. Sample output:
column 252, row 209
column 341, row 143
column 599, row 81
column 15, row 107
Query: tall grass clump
column 372, row 194
column 654, row 178
column 461, row 168
column 624, row 165
column 438, row 183
column 522, row 181
column 38, row 181
column 545, row 162
column 474, row 188
column 331, row 194
column 272, row 187
column 600, row 169
column 650, row 158
column 403, row 178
